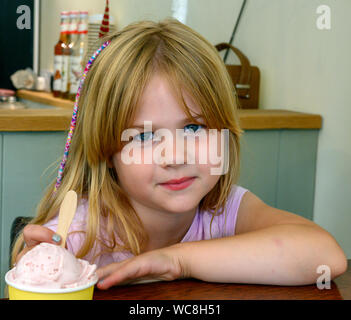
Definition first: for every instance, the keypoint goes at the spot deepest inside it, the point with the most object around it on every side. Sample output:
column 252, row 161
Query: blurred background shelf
column 45, row 98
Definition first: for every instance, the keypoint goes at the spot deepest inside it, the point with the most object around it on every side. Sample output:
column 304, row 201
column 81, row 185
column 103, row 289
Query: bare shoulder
column 254, row 214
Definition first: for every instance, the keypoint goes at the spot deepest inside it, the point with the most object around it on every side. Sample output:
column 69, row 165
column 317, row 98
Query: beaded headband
column 74, row 115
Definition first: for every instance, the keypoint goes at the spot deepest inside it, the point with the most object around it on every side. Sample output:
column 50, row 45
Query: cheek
column 132, row 175
column 209, row 151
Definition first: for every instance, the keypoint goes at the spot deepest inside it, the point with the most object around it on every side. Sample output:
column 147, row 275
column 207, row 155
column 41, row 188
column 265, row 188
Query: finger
column 34, row 234
column 28, row 248
column 123, row 274
column 105, row 271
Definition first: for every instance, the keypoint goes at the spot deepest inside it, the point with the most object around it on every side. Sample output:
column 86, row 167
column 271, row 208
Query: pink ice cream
column 50, row 266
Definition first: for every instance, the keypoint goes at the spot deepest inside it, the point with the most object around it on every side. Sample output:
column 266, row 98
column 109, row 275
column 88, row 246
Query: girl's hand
column 35, row 234
column 156, row 265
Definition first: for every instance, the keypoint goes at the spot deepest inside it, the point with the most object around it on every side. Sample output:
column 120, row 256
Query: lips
column 178, row 184
column 176, row 181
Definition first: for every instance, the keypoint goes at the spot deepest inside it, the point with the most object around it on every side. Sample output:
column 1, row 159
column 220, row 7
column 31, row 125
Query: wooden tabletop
column 59, row 117
column 192, row 289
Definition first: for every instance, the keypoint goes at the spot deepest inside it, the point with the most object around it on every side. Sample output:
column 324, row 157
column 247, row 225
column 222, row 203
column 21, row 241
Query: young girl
column 132, row 220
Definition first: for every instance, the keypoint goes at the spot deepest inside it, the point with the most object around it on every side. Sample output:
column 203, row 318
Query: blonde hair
column 107, row 106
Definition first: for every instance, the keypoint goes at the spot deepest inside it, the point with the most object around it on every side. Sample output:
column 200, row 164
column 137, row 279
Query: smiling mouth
column 175, row 181
column 179, row 185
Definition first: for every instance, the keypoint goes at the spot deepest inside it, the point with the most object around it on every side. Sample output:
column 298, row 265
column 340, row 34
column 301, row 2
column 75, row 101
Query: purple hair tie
column 74, row 116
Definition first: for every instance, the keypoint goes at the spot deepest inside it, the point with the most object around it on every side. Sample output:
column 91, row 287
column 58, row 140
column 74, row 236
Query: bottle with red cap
column 67, row 52
column 78, row 52
column 73, row 41
column 83, row 35
column 58, row 54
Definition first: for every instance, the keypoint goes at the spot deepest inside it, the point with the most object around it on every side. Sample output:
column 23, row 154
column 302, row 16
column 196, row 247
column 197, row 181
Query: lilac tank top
column 199, row 229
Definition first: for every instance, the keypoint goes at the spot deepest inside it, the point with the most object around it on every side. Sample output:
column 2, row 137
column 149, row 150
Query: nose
column 172, row 150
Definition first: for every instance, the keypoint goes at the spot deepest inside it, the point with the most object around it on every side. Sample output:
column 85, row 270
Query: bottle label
column 73, row 27
column 75, row 73
column 82, row 27
column 64, row 27
column 57, row 73
column 65, row 73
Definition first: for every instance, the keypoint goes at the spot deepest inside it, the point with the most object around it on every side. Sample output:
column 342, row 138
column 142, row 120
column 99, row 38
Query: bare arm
column 272, row 246
column 277, row 255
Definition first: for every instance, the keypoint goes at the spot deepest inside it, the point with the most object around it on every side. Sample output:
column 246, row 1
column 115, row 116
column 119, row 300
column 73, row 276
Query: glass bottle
column 58, row 54
column 66, row 59
column 83, row 37
column 73, row 44
column 79, row 49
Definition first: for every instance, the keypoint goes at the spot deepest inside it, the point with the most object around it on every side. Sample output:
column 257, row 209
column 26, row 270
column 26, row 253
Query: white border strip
column 36, row 37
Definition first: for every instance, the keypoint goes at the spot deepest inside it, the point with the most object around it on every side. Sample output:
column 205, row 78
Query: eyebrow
column 180, row 122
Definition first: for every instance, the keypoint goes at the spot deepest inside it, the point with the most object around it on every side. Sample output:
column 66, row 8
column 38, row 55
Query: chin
column 178, row 205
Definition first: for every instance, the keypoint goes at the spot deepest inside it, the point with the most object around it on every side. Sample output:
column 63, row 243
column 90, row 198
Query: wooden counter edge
column 265, row 119
column 35, row 120
column 59, row 118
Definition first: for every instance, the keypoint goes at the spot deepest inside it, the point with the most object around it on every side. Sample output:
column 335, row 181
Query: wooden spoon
column 66, row 214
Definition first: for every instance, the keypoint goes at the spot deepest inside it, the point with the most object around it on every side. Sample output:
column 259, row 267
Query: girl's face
column 144, row 182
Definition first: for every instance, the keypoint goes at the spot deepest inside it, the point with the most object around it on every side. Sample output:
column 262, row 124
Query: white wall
column 302, row 68
column 307, row 69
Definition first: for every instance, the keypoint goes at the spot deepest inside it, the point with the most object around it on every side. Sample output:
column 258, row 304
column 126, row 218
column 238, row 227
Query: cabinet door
column 259, row 161
column 297, row 171
column 29, row 163
column 279, row 166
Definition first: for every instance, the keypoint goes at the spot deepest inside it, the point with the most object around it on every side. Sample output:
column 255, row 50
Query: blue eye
column 145, row 136
column 194, row 127
column 149, row 136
